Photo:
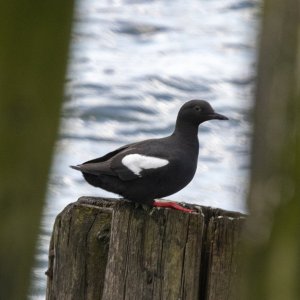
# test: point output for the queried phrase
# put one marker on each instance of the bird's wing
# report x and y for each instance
(132, 164)
(128, 162)
(143, 159)
(101, 165)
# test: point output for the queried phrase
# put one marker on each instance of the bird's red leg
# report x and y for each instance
(171, 204)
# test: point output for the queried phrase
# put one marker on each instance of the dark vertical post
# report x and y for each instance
(273, 242)
(34, 38)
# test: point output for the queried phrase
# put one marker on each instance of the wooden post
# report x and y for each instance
(112, 250)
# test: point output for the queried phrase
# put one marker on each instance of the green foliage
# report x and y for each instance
(273, 258)
(34, 38)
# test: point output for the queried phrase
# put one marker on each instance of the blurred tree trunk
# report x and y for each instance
(273, 242)
(34, 37)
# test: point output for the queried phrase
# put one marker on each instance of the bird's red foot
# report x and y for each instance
(170, 204)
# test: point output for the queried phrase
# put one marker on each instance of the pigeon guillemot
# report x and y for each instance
(155, 168)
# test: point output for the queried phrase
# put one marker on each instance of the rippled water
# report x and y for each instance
(133, 64)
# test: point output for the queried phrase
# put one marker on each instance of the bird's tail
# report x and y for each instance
(76, 168)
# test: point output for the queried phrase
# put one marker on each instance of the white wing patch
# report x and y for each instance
(137, 162)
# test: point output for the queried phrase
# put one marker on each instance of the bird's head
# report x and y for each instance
(197, 112)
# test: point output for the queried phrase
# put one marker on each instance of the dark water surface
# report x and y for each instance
(133, 64)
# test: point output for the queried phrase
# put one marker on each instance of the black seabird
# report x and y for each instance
(155, 168)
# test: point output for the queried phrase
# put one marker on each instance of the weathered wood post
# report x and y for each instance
(112, 250)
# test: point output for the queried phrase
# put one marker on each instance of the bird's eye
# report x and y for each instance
(197, 108)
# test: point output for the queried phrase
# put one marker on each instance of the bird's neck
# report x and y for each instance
(186, 131)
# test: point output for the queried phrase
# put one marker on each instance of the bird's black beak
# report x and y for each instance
(216, 116)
